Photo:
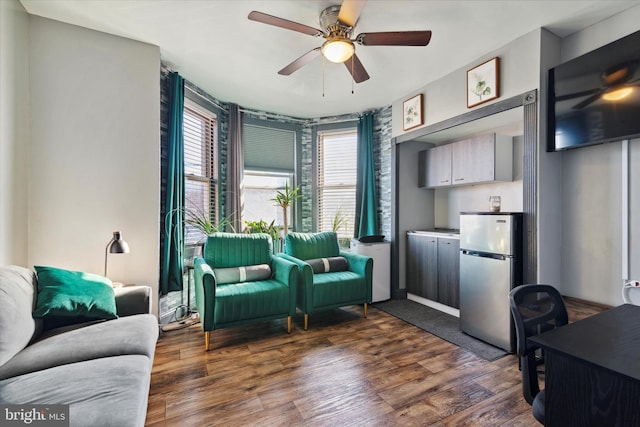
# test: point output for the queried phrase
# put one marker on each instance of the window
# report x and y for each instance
(259, 188)
(269, 162)
(337, 157)
(200, 167)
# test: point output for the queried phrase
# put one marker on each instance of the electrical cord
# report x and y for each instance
(626, 287)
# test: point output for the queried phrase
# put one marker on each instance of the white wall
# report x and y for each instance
(447, 98)
(14, 132)
(95, 151)
(592, 196)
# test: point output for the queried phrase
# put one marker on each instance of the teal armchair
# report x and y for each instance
(239, 281)
(327, 277)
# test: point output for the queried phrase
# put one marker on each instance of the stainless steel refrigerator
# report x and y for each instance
(490, 266)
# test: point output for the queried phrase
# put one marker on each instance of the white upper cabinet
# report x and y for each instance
(479, 159)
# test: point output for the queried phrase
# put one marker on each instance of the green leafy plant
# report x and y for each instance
(339, 220)
(284, 199)
(261, 226)
(200, 220)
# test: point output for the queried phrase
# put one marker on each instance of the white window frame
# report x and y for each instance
(328, 190)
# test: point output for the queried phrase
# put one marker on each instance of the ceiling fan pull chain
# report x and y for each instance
(323, 76)
(352, 79)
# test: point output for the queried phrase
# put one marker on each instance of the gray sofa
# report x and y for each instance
(101, 369)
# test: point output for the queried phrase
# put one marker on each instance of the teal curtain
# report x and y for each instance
(172, 259)
(366, 223)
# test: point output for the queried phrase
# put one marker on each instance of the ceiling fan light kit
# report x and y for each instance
(617, 94)
(338, 23)
(338, 50)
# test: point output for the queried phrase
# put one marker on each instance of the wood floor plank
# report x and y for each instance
(345, 370)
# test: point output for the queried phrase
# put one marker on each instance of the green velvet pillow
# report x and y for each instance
(73, 294)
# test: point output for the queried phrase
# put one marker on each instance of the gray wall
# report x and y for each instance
(591, 183)
(579, 191)
(94, 160)
(14, 132)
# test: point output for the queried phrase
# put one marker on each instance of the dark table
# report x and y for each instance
(592, 370)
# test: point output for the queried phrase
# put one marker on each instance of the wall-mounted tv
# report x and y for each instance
(595, 97)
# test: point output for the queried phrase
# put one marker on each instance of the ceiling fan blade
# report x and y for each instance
(356, 69)
(350, 12)
(395, 38)
(284, 23)
(580, 105)
(300, 62)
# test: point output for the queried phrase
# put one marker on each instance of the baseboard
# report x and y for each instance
(433, 304)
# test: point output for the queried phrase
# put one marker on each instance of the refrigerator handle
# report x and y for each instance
(483, 254)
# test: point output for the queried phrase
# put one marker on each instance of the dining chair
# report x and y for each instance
(535, 308)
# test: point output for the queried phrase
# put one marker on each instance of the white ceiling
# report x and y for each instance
(213, 44)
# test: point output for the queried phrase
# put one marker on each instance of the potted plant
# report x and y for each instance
(340, 220)
(197, 219)
(261, 226)
(284, 199)
(271, 229)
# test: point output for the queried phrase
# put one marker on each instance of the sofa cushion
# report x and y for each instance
(326, 265)
(127, 335)
(111, 391)
(249, 273)
(73, 294)
(17, 297)
(307, 246)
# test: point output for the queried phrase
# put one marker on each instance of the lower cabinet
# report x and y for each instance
(433, 265)
(449, 272)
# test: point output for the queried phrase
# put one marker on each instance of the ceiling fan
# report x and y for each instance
(617, 82)
(338, 23)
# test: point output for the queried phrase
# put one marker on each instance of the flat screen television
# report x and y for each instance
(595, 97)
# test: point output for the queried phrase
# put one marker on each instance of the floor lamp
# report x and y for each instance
(115, 246)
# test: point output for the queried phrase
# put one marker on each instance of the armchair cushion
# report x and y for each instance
(249, 273)
(326, 265)
(307, 246)
(223, 250)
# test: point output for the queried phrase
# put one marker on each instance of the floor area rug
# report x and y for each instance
(440, 324)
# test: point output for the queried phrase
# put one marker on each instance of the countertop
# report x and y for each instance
(438, 232)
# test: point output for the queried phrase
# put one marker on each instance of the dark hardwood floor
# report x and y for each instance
(345, 370)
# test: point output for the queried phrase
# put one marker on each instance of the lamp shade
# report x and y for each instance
(338, 50)
(115, 246)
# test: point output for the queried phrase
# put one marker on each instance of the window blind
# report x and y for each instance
(337, 157)
(200, 167)
(268, 148)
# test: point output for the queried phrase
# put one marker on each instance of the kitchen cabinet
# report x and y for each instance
(435, 166)
(433, 268)
(483, 158)
(480, 159)
(422, 269)
(449, 271)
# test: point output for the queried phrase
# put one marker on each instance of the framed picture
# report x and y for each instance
(483, 82)
(412, 112)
